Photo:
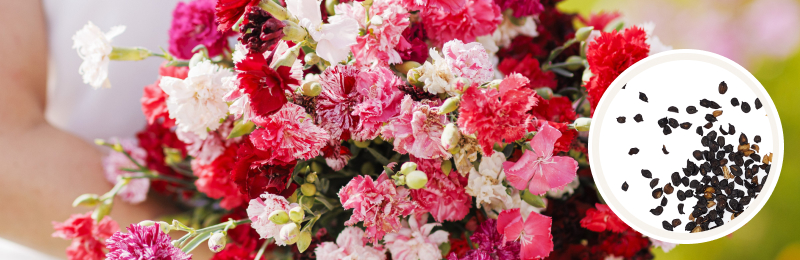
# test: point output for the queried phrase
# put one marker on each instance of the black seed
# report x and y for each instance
(685, 181)
(710, 118)
(745, 107)
(664, 201)
(633, 151)
(667, 130)
(712, 135)
(721, 140)
(647, 174)
(723, 87)
(693, 184)
(691, 110)
(709, 104)
(668, 189)
(623, 86)
(742, 139)
(638, 118)
(699, 130)
(722, 131)
(681, 196)
(672, 109)
(657, 211)
(757, 139)
(657, 193)
(625, 186)
(734, 102)
(662, 122)
(664, 149)
(642, 97)
(666, 225)
(676, 222)
(736, 171)
(676, 179)
(691, 225)
(704, 141)
(758, 103)
(755, 156)
(697, 154)
(673, 123)
(688, 193)
(708, 125)
(621, 120)
(731, 129)
(719, 222)
(653, 183)
(686, 125)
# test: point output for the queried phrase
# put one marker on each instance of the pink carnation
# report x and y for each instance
(337, 101)
(193, 23)
(379, 204)
(214, 179)
(143, 242)
(115, 163)
(206, 150)
(349, 245)
(381, 101)
(479, 17)
(444, 195)
(289, 133)
(87, 235)
(539, 170)
(259, 210)
(378, 46)
(494, 115)
(468, 61)
(416, 240)
(418, 129)
(443, 5)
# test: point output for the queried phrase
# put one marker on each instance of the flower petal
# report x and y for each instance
(559, 171)
(543, 142)
(509, 224)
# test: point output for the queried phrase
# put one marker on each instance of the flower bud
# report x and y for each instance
(293, 32)
(297, 214)
(329, 6)
(303, 241)
(316, 166)
(287, 58)
(86, 200)
(413, 77)
(290, 233)
(367, 168)
(449, 105)
(102, 210)
(367, 3)
(405, 67)
(408, 167)
(279, 217)
(447, 166)
(308, 189)
(533, 200)
(311, 58)
(545, 92)
(362, 144)
(217, 242)
(575, 63)
(416, 180)
(311, 177)
(450, 136)
(129, 53)
(582, 124)
(494, 84)
(312, 89)
(164, 227)
(587, 75)
(583, 33)
(172, 156)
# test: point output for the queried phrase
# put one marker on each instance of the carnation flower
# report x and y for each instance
(228, 12)
(467, 153)
(154, 139)
(533, 233)
(379, 204)
(115, 164)
(468, 61)
(417, 130)
(530, 68)
(444, 195)
(497, 115)
(602, 219)
(538, 170)
(416, 240)
(260, 30)
(508, 30)
(437, 75)
(490, 244)
(557, 112)
(254, 176)
(415, 48)
(213, 179)
(600, 19)
(486, 184)
(521, 7)
(478, 17)
(154, 100)
(626, 245)
(349, 245)
(259, 210)
(143, 242)
(235, 252)
(338, 100)
(609, 55)
(196, 103)
(86, 234)
(336, 155)
(193, 23)
(566, 191)
(261, 86)
(381, 98)
(447, 6)
(334, 38)
(387, 22)
(290, 133)
(94, 47)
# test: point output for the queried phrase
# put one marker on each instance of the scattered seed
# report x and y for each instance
(734, 102)
(664, 149)
(668, 189)
(647, 174)
(666, 225)
(708, 125)
(680, 208)
(697, 155)
(757, 139)
(691, 225)
(633, 151)
(676, 179)
(716, 113)
(672, 109)
(742, 139)
(667, 130)
(657, 193)
(623, 86)
(685, 181)
(691, 109)
(654, 183)
(673, 123)
(754, 147)
(710, 118)
(709, 104)
(657, 211)
(697, 229)
(642, 97)
(681, 195)
(663, 122)
(723, 87)
(638, 118)
(621, 120)
(745, 107)
(664, 201)
(758, 103)
(676, 222)
(625, 186)
(699, 130)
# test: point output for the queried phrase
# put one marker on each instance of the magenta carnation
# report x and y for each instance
(416, 49)
(479, 17)
(522, 7)
(381, 101)
(379, 204)
(444, 195)
(338, 99)
(418, 129)
(289, 133)
(193, 23)
(143, 243)
(497, 116)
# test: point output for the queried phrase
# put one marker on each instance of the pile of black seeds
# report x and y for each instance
(721, 176)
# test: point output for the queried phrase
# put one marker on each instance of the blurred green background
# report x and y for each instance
(763, 37)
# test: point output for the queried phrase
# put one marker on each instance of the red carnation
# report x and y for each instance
(154, 139)
(229, 12)
(609, 55)
(530, 68)
(264, 85)
(87, 235)
(254, 176)
(214, 180)
(602, 219)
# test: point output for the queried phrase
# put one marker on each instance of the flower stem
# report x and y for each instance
(262, 249)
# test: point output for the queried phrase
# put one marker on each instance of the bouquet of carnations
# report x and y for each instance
(374, 129)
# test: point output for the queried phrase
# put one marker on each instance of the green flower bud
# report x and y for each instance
(447, 166)
(147, 223)
(416, 180)
(289, 57)
(362, 144)
(217, 242)
(129, 53)
(316, 166)
(297, 214)
(367, 168)
(408, 167)
(172, 156)
(308, 189)
(290, 233)
(303, 241)
(533, 200)
(407, 66)
(582, 124)
(293, 32)
(449, 105)
(279, 217)
(450, 136)
(583, 33)
(164, 227)
(545, 92)
(312, 177)
(311, 89)
(576, 62)
(102, 210)
(311, 58)
(329, 6)
(413, 77)
(86, 200)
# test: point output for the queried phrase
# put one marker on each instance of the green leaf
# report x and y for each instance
(240, 129)
(378, 156)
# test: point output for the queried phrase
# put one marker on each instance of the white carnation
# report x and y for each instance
(507, 31)
(436, 75)
(94, 47)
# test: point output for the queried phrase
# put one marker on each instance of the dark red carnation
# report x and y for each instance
(414, 48)
(265, 86)
(154, 139)
(530, 68)
(521, 7)
(229, 12)
(556, 109)
(254, 177)
(609, 55)
(629, 244)
(260, 30)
